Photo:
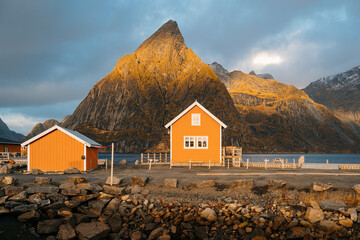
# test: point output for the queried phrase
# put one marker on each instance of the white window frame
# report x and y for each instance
(195, 139)
(202, 139)
(195, 119)
(190, 138)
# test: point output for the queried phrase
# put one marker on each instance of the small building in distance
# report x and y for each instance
(58, 148)
(196, 137)
(9, 146)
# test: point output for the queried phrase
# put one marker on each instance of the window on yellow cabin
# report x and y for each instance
(195, 119)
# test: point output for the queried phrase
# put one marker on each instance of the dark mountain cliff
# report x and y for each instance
(5, 132)
(341, 94)
(147, 89)
(284, 118)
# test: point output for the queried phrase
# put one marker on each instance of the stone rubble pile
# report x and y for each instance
(77, 209)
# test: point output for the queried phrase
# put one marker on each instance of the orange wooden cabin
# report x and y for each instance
(57, 149)
(195, 137)
(7, 145)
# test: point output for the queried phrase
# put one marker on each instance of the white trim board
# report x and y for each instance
(81, 138)
(189, 108)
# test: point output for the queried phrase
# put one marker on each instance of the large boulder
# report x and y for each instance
(12, 191)
(356, 188)
(122, 162)
(66, 232)
(8, 180)
(332, 205)
(51, 189)
(328, 226)
(36, 171)
(73, 191)
(23, 208)
(141, 181)
(297, 232)
(114, 190)
(29, 216)
(115, 181)
(242, 183)
(76, 179)
(42, 180)
(276, 184)
(314, 215)
(92, 231)
(170, 182)
(49, 226)
(319, 187)
(346, 223)
(209, 214)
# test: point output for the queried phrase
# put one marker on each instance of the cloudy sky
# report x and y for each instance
(53, 52)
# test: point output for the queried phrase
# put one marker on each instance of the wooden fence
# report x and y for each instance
(155, 158)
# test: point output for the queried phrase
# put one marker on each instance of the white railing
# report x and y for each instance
(155, 158)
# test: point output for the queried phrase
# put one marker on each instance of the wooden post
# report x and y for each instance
(266, 161)
(294, 164)
(160, 157)
(233, 156)
(327, 161)
(150, 164)
(148, 157)
(223, 156)
(154, 157)
(247, 163)
(166, 158)
(106, 163)
(112, 163)
(228, 163)
(142, 158)
(282, 163)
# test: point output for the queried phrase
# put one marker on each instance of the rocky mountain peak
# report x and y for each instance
(218, 68)
(167, 34)
(261, 75)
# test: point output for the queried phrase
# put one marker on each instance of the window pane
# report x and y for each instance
(204, 144)
(191, 144)
(187, 144)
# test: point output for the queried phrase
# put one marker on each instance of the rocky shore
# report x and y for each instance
(134, 209)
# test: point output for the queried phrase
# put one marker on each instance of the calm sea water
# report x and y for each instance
(309, 158)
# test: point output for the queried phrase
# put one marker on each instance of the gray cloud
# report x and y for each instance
(53, 52)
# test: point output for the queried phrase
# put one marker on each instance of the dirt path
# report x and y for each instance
(298, 178)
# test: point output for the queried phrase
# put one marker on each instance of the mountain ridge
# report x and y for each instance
(5, 132)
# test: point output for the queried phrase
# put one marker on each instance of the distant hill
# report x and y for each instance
(5, 132)
(262, 75)
(284, 118)
(147, 89)
(39, 128)
(340, 93)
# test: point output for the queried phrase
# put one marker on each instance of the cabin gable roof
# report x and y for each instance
(191, 107)
(76, 135)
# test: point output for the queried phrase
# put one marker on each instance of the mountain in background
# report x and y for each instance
(39, 128)
(5, 132)
(262, 75)
(147, 89)
(341, 94)
(283, 118)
